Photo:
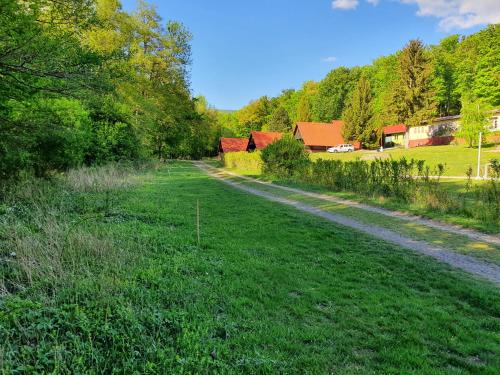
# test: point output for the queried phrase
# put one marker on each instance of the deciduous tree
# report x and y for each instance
(333, 92)
(473, 120)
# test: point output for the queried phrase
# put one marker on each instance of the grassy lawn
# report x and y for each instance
(454, 242)
(243, 165)
(454, 187)
(457, 158)
(268, 290)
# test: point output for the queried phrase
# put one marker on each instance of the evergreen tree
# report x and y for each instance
(280, 121)
(358, 114)
(413, 99)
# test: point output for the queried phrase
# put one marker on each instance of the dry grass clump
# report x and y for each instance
(54, 251)
(43, 236)
(108, 177)
(92, 179)
(47, 247)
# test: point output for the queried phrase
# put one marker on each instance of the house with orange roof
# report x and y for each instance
(260, 140)
(232, 145)
(318, 136)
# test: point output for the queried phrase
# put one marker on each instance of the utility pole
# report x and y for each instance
(479, 156)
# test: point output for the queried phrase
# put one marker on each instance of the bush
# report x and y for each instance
(285, 158)
(395, 178)
(407, 181)
(43, 136)
(487, 202)
(243, 162)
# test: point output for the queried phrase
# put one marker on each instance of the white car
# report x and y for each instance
(341, 148)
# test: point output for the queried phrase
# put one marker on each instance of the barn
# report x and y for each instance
(260, 140)
(232, 145)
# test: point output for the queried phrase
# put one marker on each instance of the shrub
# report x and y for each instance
(244, 162)
(285, 158)
(407, 181)
(395, 178)
(488, 196)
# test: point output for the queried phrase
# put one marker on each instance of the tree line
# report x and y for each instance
(414, 84)
(84, 82)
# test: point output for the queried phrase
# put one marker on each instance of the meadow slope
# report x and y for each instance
(267, 290)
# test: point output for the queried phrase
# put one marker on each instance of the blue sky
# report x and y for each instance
(245, 49)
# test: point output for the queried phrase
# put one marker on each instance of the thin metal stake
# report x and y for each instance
(479, 156)
(198, 220)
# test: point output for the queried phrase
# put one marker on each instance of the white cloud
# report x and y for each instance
(349, 4)
(344, 4)
(452, 14)
(459, 14)
(330, 59)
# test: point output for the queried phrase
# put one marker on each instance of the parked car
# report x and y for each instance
(341, 148)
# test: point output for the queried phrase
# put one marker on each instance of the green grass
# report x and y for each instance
(453, 242)
(457, 158)
(454, 187)
(452, 156)
(268, 290)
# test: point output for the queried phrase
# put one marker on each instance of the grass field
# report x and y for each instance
(267, 290)
(453, 186)
(412, 229)
(456, 158)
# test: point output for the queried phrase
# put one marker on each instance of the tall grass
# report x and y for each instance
(392, 178)
(46, 226)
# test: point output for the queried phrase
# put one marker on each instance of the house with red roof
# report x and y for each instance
(260, 140)
(232, 145)
(395, 135)
(318, 136)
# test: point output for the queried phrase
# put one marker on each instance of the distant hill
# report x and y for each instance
(226, 110)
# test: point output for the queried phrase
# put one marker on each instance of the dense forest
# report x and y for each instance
(83, 82)
(416, 83)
